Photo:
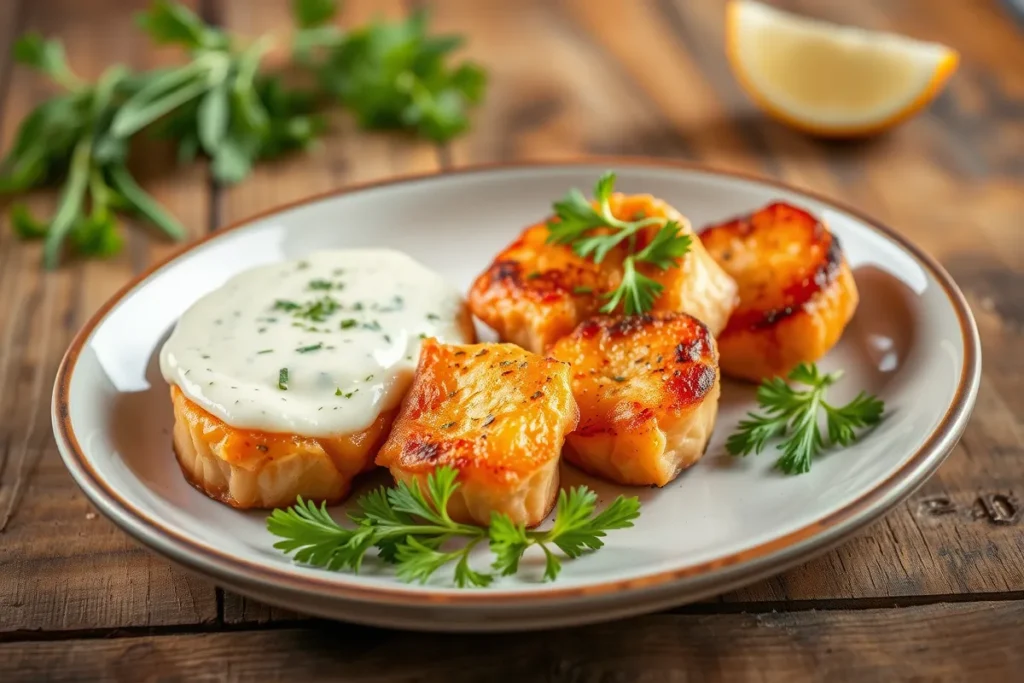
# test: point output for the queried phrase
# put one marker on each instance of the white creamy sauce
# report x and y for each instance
(316, 347)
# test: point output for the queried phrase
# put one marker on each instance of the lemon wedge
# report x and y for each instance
(831, 80)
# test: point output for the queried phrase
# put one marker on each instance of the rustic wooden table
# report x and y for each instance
(935, 590)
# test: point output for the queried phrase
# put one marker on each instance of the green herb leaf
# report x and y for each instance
(213, 117)
(394, 75)
(70, 204)
(96, 236)
(170, 22)
(636, 292)
(793, 414)
(410, 527)
(667, 247)
(144, 204)
(47, 56)
(25, 224)
(595, 232)
(312, 13)
(576, 530)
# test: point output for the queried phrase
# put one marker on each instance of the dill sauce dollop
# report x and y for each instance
(318, 346)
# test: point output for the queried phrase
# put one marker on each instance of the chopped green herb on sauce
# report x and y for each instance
(311, 347)
(320, 284)
(282, 379)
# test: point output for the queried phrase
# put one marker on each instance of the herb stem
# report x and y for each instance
(70, 203)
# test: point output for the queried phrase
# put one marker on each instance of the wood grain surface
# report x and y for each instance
(972, 642)
(568, 79)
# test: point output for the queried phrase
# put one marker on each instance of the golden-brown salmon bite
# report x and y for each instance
(647, 387)
(247, 468)
(795, 287)
(285, 380)
(495, 413)
(535, 291)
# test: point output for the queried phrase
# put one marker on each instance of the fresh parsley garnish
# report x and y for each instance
(310, 348)
(594, 233)
(282, 379)
(408, 524)
(792, 414)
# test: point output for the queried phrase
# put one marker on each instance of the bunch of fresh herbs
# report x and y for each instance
(69, 140)
(219, 104)
(391, 75)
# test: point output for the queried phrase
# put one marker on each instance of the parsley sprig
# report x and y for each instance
(594, 233)
(793, 415)
(409, 527)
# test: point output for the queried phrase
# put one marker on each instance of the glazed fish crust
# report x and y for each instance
(497, 414)
(535, 292)
(647, 387)
(252, 469)
(796, 290)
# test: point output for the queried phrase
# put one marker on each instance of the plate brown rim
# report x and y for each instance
(751, 561)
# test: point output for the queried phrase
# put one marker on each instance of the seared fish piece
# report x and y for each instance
(796, 290)
(252, 469)
(535, 292)
(498, 415)
(647, 387)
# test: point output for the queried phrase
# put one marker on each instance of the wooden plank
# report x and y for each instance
(564, 95)
(344, 157)
(962, 642)
(61, 567)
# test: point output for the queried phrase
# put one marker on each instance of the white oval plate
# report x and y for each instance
(726, 522)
